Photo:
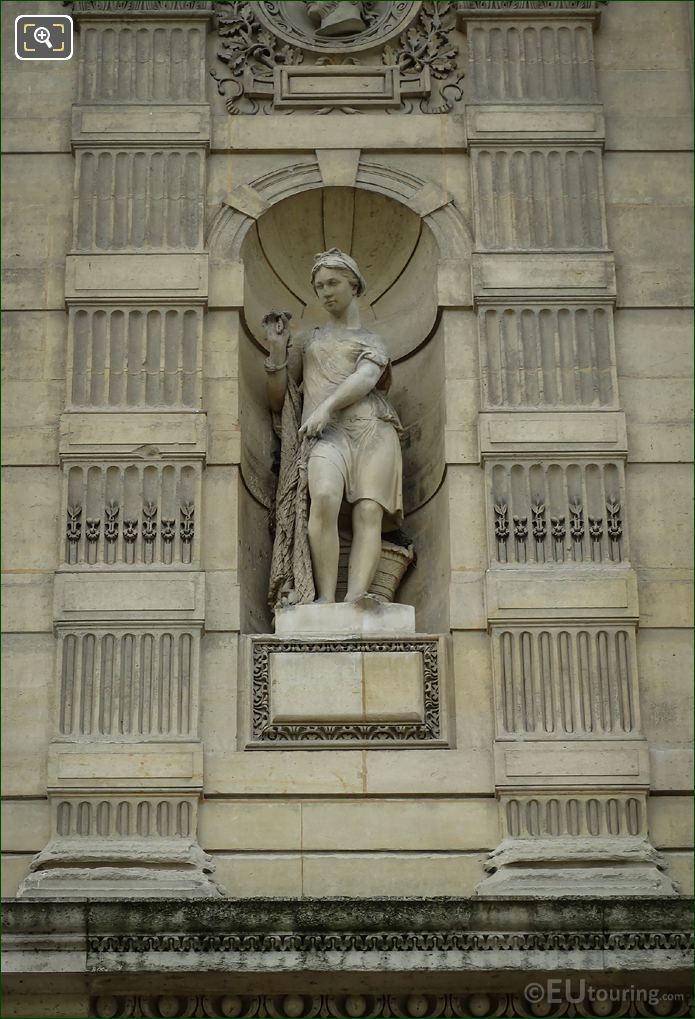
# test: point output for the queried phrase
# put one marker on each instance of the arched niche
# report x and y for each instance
(401, 253)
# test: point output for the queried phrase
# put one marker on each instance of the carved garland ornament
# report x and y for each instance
(262, 42)
(611, 1001)
(374, 733)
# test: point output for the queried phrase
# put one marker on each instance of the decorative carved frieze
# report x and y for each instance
(139, 200)
(565, 681)
(140, 357)
(529, 8)
(533, 199)
(492, 1002)
(279, 59)
(547, 356)
(393, 941)
(135, 7)
(578, 814)
(574, 506)
(139, 513)
(134, 684)
(119, 816)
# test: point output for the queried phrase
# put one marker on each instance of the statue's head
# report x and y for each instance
(341, 265)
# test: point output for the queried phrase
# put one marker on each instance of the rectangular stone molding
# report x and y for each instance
(376, 692)
(137, 357)
(559, 355)
(92, 767)
(530, 765)
(130, 278)
(297, 87)
(556, 593)
(139, 199)
(547, 431)
(548, 197)
(544, 124)
(565, 681)
(118, 123)
(530, 61)
(137, 683)
(133, 434)
(123, 514)
(531, 276)
(556, 510)
(143, 60)
(136, 598)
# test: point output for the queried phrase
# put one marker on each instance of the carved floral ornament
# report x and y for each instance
(284, 57)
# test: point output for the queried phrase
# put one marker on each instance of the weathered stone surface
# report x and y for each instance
(595, 866)
(367, 618)
(495, 239)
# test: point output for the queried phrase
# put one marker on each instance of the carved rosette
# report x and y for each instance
(286, 57)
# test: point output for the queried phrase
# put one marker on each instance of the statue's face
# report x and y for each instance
(334, 290)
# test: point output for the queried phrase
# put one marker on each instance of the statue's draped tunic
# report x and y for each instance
(361, 441)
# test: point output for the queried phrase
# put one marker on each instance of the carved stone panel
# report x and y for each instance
(539, 198)
(558, 682)
(144, 199)
(547, 356)
(376, 693)
(339, 56)
(135, 357)
(577, 814)
(128, 684)
(531, 62)
(559, 511)
(119, 514)
(143, 61)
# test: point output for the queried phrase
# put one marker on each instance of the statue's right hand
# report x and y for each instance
(277, 332)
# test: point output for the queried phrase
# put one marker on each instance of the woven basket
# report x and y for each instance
(393, 563)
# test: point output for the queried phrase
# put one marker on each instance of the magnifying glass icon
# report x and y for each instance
(43, 36)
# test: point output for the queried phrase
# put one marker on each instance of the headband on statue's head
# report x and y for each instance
(334, 258)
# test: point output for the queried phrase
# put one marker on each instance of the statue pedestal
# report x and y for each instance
(358, 619)
(345, 674)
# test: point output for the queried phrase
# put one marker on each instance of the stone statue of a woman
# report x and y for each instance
(341, 441)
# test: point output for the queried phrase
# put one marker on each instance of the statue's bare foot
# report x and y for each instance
(324, 601)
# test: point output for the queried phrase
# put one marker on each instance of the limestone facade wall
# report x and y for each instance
(557, 371)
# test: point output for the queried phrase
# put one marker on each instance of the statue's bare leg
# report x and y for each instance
(366, 547)
(326, 494)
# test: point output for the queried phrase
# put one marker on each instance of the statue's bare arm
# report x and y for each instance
(359, 384)
(285, 355)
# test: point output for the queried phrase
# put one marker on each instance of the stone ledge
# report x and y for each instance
(385, 935)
